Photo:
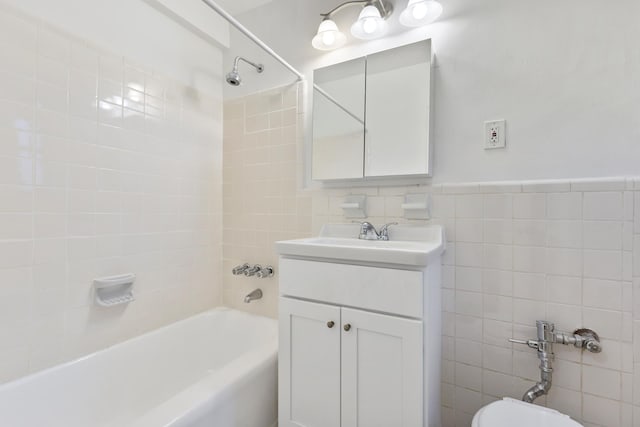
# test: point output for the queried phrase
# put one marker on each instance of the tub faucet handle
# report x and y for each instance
(265, 272)
(240, 269)
(252, 271)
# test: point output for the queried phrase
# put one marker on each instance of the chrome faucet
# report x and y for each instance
(547, 336)
(254, 295)
(368, 231)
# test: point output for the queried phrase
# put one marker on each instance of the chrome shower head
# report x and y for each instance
(233, 78)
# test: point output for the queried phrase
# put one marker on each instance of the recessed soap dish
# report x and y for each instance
(114, 290)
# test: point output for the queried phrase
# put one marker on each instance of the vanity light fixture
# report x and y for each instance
(371, 24)
(329, 36)
(372, 21)
(420, 12)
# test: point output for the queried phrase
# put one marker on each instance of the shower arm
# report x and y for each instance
(258, 67)
(233, 21)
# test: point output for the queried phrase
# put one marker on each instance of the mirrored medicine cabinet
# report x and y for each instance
(371, 116)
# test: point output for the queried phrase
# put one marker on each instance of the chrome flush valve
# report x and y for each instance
(547, 336)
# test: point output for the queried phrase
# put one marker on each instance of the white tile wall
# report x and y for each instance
(263, 202)
(561, 256)
(105, 167)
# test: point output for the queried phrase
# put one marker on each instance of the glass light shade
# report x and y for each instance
(420, 12)
(328, 36)
(369, 25)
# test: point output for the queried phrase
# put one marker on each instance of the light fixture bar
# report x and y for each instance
(386, 9)
(372, 21)
(342, 6)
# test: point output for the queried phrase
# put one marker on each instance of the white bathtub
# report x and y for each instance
(216, 369)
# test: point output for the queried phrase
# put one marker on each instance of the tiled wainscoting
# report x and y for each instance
(561, 252)
(521, 251)
(106, 167)
(517, 252)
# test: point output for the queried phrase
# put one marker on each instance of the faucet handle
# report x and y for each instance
(240, 269)
(384, 230)
(530, 343)
(251, 271)
(588, 340)
(265, 272)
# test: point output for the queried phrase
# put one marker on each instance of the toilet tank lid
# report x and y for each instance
(510, 412)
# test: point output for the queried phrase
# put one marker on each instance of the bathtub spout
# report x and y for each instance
(254, 295)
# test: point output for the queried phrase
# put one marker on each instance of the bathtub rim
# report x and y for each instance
(24, 379)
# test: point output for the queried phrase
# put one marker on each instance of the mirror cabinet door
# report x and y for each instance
(397, 111)
(338, 121)
(371, 116)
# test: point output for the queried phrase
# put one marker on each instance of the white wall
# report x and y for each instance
(567, 251)
(137, 30)
(565, 76)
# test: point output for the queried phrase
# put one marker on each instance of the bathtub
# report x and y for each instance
(216, 369)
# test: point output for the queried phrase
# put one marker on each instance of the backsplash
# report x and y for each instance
(517, 252)
(106, 167)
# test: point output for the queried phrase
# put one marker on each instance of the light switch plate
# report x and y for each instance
(494, 134)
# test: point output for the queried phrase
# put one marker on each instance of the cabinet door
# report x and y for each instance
(382, 372)
(309, 364)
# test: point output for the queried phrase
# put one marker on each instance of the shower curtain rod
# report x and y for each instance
(233, 21)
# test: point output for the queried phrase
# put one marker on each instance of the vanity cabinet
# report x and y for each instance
(348, 367)
(310, 365)
(352, 345)
(360, 328)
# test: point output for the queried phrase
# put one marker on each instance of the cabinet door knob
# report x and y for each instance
(330, 324)
(347, 327)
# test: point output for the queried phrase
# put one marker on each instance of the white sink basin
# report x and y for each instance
(407, 245)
